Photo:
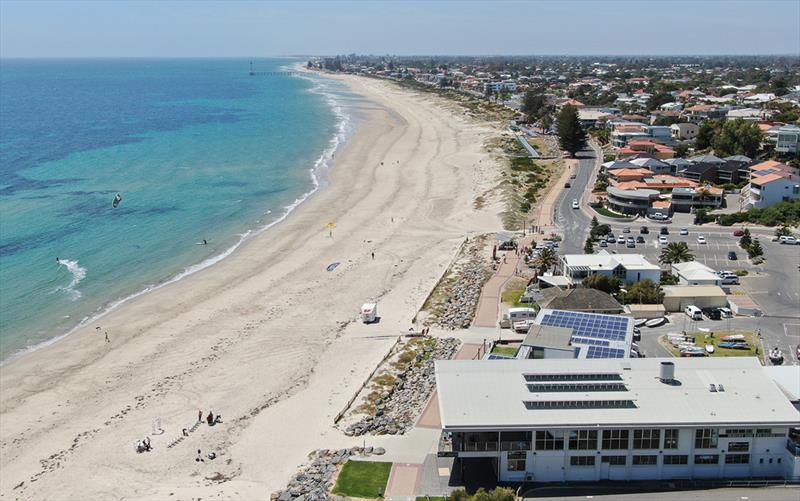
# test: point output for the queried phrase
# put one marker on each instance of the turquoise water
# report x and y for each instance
(198, 149)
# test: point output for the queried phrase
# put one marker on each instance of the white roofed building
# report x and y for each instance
(695, 273)
(561, 420)
(628, 268)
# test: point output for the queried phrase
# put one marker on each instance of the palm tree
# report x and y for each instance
(676, 252)
(546, 259)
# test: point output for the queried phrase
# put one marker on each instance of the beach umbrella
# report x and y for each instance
(330, 226)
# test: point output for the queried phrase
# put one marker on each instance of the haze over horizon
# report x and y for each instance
(259, 29)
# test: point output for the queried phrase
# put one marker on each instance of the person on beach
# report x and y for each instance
(58, 260)
(107, 340)
(200, 416)
(373, 255)
(210, 418)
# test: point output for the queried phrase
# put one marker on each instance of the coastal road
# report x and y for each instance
(574, 223)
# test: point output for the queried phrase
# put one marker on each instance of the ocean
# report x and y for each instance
(198, 149)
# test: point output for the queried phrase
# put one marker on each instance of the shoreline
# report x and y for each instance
(266, 338)
(317, 173)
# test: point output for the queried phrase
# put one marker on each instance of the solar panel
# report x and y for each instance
(584, 340)
(589, 325)
(603, 352)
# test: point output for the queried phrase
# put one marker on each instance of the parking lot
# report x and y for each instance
(774, 284)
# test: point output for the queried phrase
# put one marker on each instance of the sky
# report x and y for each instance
(147, 28)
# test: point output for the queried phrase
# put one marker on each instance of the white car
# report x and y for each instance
(701, 240)
(785, 239)
(662, 240)
(684, 231)
(574, 203)
(620, 239)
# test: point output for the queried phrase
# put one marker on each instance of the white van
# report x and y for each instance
(519, 314)
(694, 312)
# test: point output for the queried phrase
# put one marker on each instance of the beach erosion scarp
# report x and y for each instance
(266, 338)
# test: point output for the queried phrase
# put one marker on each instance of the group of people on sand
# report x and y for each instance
(210, 418)
(143, 445)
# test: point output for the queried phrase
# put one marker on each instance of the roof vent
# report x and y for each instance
(712, 388)
(720, 387)
(666, 373)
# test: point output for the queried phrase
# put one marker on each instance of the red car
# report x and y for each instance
(738, 233)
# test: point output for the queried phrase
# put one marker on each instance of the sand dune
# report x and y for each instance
(267, 338)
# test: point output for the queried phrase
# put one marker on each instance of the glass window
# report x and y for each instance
(582, 440)
(676, 459)
(671, 438)
(763, 432)
(614, 460)
(615, 439)
(646, 439)
(706, 459)
(644, 460)
(737, 459)
(549, 441)
(705, 438)
(581, 460)
(516, 461)
(738, 447)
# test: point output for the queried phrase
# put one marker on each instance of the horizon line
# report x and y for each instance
(775, 54)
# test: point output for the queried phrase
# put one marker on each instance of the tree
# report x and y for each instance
(534, 105)
(705, 136)
(738, 137)
(546, 259)
(546, 121)
(746, 240)
(588, 246)
(755, 249)
(643, 292)
(701, 216)
(670, 280)
(496, 494)
(594, 223)
(675, 252)
(571, 135)
(783, 231)
(600, 231)
(602, 282)
(681, 150)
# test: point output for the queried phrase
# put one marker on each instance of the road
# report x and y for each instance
(574, 223)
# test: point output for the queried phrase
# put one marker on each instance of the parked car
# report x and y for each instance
(738, 233)
(664, 230)
(725, 312)
(701, 240)
(620, 239)
(611, 238)
(630, 242)
(728, 278)
(572, 176)
(788, 240)
(684, 231)
(644, 230)
(712, 313)
(603, 243)
(732, 256)
(574, 203)
(662, 240)
(626, 229)
(640, 239)
(567, 185)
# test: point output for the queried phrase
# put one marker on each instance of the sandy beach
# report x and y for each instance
(267, 338)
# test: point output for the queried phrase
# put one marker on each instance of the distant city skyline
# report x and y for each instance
(259, 29)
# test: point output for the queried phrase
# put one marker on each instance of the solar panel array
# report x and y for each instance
(603, 352)
(589, 325)
(588, 341)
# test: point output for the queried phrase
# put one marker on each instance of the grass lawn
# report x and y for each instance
(702, 339)
(512, 296)
(500, 349)
(605, 212)
(362, 479)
